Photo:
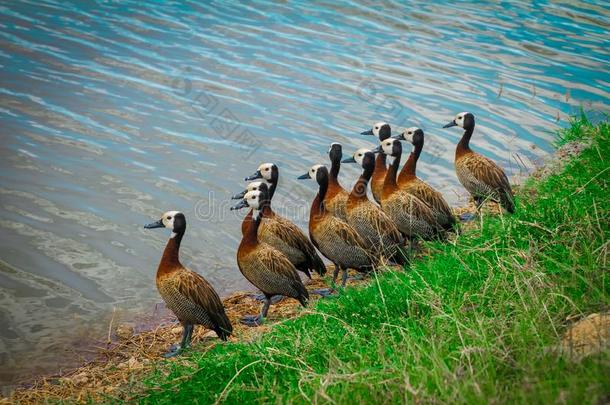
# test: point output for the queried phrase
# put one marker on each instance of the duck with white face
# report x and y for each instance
(333, 236)
(336, 195)
(187, 294)
(382, 131)
(372, 224)
(408, 181)
(412, 216)
(278, 231)
(483, 179)
(263, 265)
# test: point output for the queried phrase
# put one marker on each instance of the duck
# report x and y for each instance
(382, 131)
(263, 265)
(412, 216)
(408, 181)
(483, 179)
(371, 223)
(332, 235)
(187, 294)
(336, 195)
(278, 231)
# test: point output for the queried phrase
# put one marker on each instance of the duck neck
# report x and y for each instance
(464, 144)
(334, 170)
(170, 259)
(389, 182)
(272, 186)
(252, 226)
(323, 182)
(410, 167)
(380, 164)
(359, 189)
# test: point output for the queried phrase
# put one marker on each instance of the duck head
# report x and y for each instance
(413, 135)
(254, 199)
(174, 220)
(335, 152)
(253, 186)
(381, 130)
(266, 171)
(363, 156)
(391, 147)
(463, 120)
(316, 172)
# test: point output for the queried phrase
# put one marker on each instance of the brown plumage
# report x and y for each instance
(372, 224)
(382, 131)
(408, 181)
(337, 240)
(188, 295)
(479, 175)
(336, 195)
(281, 233)
(412, 216)
(264, 265)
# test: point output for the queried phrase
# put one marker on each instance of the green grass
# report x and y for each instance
(477, 321)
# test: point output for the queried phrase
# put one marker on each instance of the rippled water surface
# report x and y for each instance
(113, 112)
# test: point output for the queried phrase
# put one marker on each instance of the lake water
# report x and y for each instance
(114, 112)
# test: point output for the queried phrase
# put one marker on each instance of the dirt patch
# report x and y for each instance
(587, 336)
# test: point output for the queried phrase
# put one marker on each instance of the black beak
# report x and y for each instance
(303, 176)
(369, 132)
(239, 205)
(256, 175)
(378, 149)
(239, 196)
(158, 224)
(451, 124)
(349, 160)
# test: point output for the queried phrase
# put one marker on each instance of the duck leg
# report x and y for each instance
(187, 330)
(344, 278)
(257, 320)
(274, 299)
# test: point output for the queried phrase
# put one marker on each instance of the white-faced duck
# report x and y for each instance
(371, 223)
(188, 295)
(278, 231)
(263, 265)
(412, 216)
(333, 236)
(382, 131)
(408, 181)
(483, 179)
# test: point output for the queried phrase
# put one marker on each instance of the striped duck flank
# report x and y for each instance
(263, 265)
(382, 131)
(336, 195)
(412, 216)
(479, 175)
(187, 294)
(278, 231)
(334, 237)
(372, 224)
(408, 181)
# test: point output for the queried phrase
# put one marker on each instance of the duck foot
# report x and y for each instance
(261, 297)
(174, 350)
(469, 216)
(252, 320)
(357, 277)
(324, 292)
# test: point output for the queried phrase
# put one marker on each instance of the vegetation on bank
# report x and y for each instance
(477, 320)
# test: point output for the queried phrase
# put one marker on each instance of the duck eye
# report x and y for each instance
(266, 169)
(376, 127)
(169, 218)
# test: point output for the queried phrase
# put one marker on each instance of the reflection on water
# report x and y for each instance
(114, 112)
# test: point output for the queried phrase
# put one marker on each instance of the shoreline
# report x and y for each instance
(132, 355)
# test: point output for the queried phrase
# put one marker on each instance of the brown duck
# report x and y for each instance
(188, 295)
(382, 131)
(278, 231)
(412, 216)
(262, 264)
(483, 179)
(372, 224)
(408, 181)
(334, 237)
(336, 195)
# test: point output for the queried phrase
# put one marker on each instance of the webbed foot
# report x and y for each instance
(174, 350)
(252, 320)
(274, 300)
(468, 216)
(324, 292)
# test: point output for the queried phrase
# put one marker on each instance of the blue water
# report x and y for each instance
(113, 112)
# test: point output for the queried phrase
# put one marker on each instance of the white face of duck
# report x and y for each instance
(377, 128)
(313, 172)
(168, 219)
(253, 198)
(266, 169)
(459, 119)
(359, 155)
(253, 186)
(388, 146)
(408, 134)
